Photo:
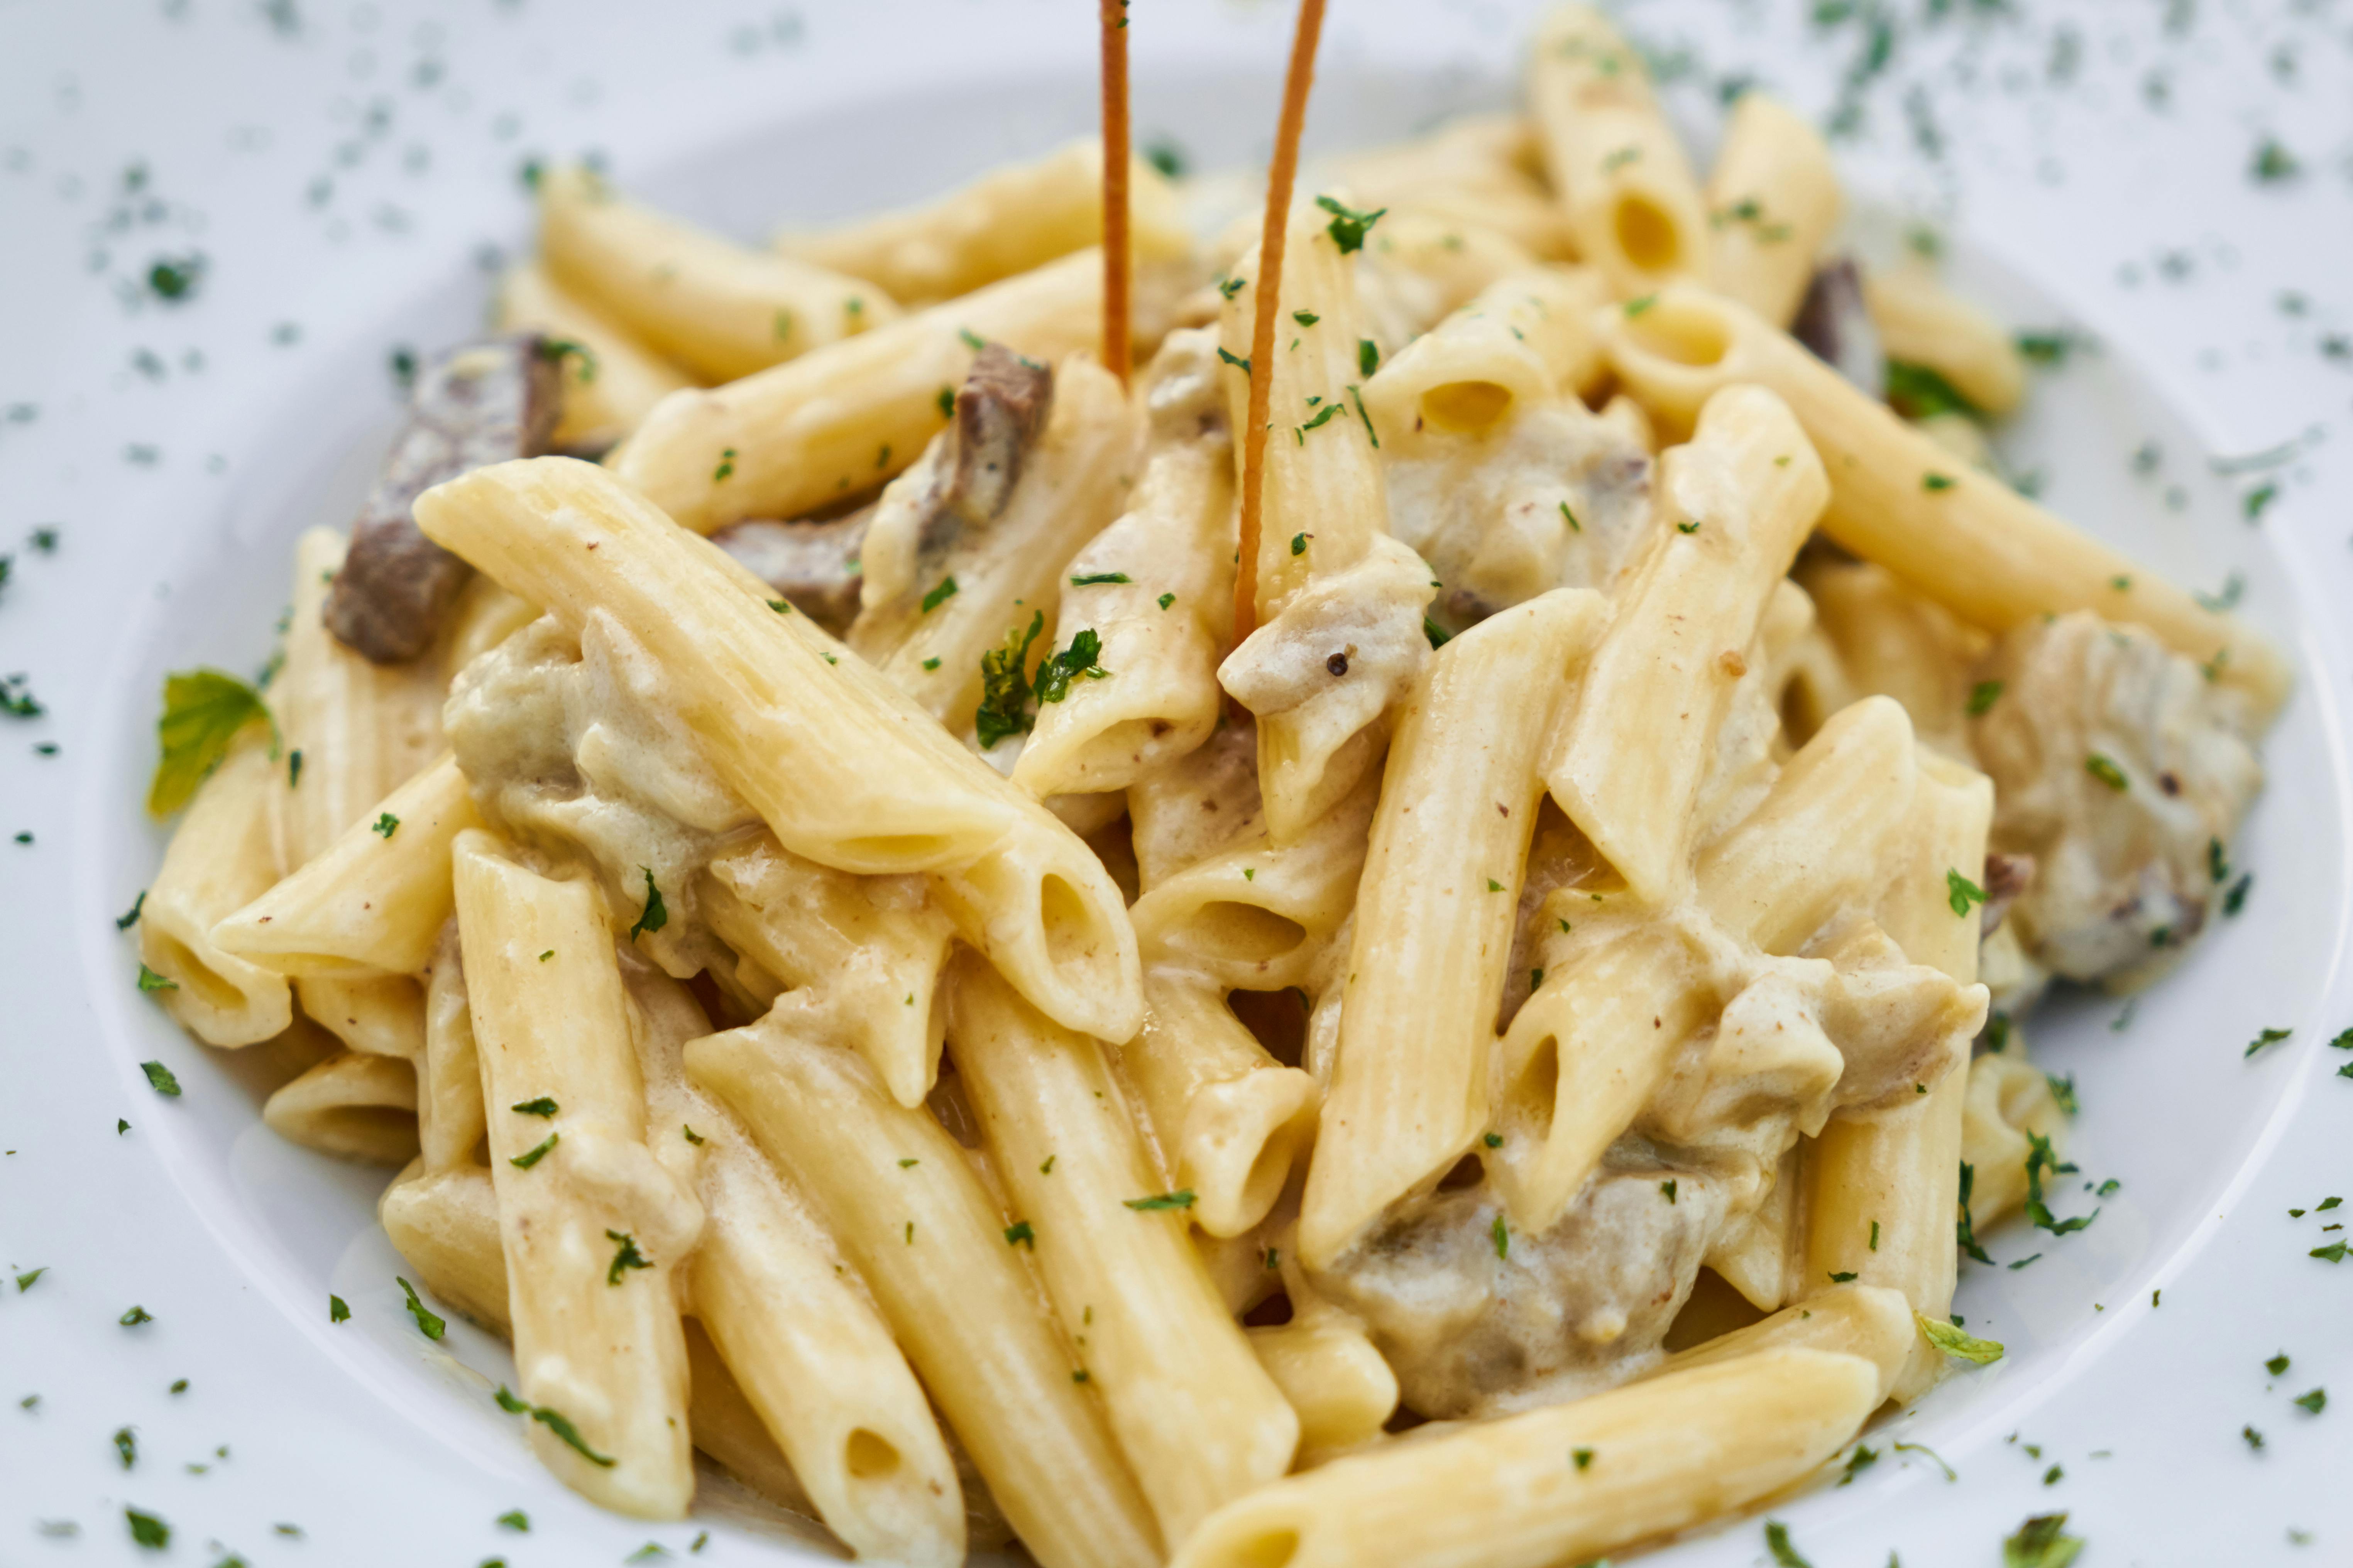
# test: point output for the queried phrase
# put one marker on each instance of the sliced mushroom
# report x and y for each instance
(484, 403)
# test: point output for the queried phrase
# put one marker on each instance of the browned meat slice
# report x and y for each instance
(814, 565)
(484, 403)
(999, 411)
(1834, 322)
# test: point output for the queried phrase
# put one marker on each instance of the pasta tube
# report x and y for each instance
(874, 945)
(1200, 1421)
(1967, 541)
(351, 730)
(1015, 217)
(1772, 203)
(1733, 506)
(899, 1197)
(220, 856)
(352, 1106)
(1434, 916)
(611, 381)
(711, 305)
(372, 903)
(593, 1226)
(1632, 203)
(1561, 1484)
(796, 437)
(1339, 603)
(1862, 1320)
(450, 1117)
(842, 766)
(1586, 1051)
(1525, 340)
(1157, 588)
(1891, 1176)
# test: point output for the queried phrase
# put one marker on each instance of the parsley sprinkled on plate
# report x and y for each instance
(1949, 1339)
(147, 1530)
(427, 1324)
(204, 712)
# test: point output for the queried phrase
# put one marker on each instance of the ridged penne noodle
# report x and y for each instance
(1885, 1181)
(1229, 1120)
(611, 381)
(2008, 1098)
(450, 1117)
(717, 308)
(802, 435)
(1331, 585)
(1971, 544)
(1733, 505)
(381, 1015)
(351, 731)
(1922, 322)
(843, 768)
(929, 642)
(1200, 1421)
(220, 856)
(1157, 588)
(1891, 640)
(1588, 1050)
(1658, 1456)
(897, 1194)
(352, 1106)
(1253, 916)
(373, 902)
(1433, 929)
(805, 1345)
(1480, 169)
(1633, 207)
(874, 945)
(1015, 217)
(1864, 1320)
(1327, 1367)
(594, 1228)
(1772, 203)
(1525, 340)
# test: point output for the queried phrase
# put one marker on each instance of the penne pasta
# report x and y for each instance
(1968, 542)
(352, 1106)
(1014, 218)
(611, 380)
(799, 436)
(220, 855)
(1632, 204)
(1525, 340)
(718, 309)
(1772, 203)
(1921, 323)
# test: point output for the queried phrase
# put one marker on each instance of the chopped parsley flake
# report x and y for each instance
(1636, 306)
(134, 1317)
(536, 1153)
(384, 826)
(1240, 364)
(1961, 893)
(139, 903)
(1299, 543)
(1305, 318)
(147, 1530)
(159, 1076)
(656, 915)
(515, 1519)
(26, 1280)
(627, 1257)
(2268, 1038)
(940, 594)
(1949, 1339)
(1095, 578)
(1021, 1233)
(1844, 1278)
(1166, 600)
(1180, 1199)
(151, 981)
(2039, 1158)
(126, 1447)
(1776, 1542)
(726, 467)
(1861, 1459)
(2277, 1364)
(2104, 769)
(1581, 1457)
(1983, 696)
(1368, 356)
(427, 1324)
(2039, 1544)
(555, 1421)
(1500, 1234)
(204, 712)
(1938, 481)
(543, 1106)
(2316, 1402)
(1347, 227)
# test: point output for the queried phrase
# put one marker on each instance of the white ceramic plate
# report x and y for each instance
(342, 167)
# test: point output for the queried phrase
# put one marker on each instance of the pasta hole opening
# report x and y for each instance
(1647, 236)
(1270, 1313)
(1073, 935)
(870, 1456)
(1466, 407)
(1538, 1086)
(1274, 1548)
(1246, 934)
(1683, 331)
(1467, 1171)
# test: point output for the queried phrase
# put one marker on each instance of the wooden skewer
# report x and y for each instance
(1116, 350)
(1279, 181)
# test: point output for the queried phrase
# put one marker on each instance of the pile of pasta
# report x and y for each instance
(860, 977)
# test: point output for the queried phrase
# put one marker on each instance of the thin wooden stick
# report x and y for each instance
(1279, 181)
(1116, 350)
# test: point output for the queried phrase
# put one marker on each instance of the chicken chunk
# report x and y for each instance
(2123, 771)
